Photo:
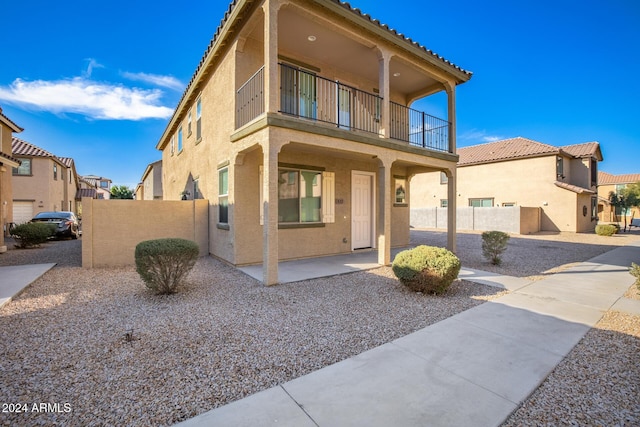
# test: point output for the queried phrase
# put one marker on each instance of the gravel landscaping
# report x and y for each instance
(100, 342)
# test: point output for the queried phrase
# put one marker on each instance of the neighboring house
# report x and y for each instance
(561, 181)
(7, 163)
(151, 186)
(608, 183)
(101, 184)
(42, 182)
(296, 126)
(86, 189)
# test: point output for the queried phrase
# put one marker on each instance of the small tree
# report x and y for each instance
(121, 192)
(494, 243)
(624, 200)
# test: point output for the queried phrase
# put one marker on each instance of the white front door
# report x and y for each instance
(362, 210)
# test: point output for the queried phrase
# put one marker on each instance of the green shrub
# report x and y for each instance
(426, 269)
(32, 234)
(494, 243)
(635, 272)
(606, 229)
(163, 263)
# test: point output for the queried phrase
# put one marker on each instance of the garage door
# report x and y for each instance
(22, 212)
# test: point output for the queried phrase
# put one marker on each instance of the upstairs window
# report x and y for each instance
(180, 139)
(594, 172)
(189, 123)
(55, 171)
(24, 168)
(559, 167)
(198, 120)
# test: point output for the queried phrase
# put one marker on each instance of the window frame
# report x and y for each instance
(189, 123)
(559, 167)
(299, 179)
(223, 196)
(23, 161)
(481, 199)
(55, 171)
(444, 203)
(180, 140)
(198, 120)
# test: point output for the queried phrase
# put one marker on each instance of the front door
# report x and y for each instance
(362, 210)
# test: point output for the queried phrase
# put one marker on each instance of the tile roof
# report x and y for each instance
(24, 148)
(518, 148)
(605, 178)
(574, 188)
(507, 149)
(67, 161)
(86, 192)
(586, 149)
(8, 157)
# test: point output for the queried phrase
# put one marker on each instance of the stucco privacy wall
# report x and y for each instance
(517, 219)
(113, 228)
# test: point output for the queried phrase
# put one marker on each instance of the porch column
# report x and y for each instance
(452, 198)
(384, 211)
(384, 57)
(270, 214)
(270, 8)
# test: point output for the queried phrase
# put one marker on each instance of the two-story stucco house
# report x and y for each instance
(42, 182)
(609, 183)
(519, 172)
(150, 187)
(101, 184)
(297, 126)
(7, 163)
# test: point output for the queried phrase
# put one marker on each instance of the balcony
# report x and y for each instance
(308, 96)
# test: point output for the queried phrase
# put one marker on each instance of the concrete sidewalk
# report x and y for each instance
(14, 279)
(472, 369)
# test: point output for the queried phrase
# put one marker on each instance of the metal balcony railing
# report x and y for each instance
(250, 99)
(304, 94)
(418, 128)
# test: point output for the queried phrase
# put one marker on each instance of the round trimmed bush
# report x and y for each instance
(32, 234)
(606, 229)
(163, 263)
(426, 269)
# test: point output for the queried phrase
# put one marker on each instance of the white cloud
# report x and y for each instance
(92, 63)
(82, 96)
(475, 136)
(169, 82)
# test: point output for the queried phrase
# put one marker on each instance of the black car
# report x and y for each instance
(67, 224)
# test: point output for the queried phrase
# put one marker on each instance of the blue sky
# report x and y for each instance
(98, 81)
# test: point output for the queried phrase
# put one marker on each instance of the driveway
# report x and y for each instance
(64, 253)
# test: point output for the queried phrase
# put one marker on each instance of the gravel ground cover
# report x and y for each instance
(225, 336)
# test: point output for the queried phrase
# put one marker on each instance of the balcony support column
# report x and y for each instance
(452, 198)
(451, 115)
(384, 58)
(271, 8)
(269, 184)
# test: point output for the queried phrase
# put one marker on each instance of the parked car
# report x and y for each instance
(67, 224)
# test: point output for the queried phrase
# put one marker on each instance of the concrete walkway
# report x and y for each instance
(14, 279)
(472, 369)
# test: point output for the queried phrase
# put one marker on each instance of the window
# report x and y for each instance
(199, 120)
(594, 172)
(299, 196)
(104, 184)
(401, 190)
(55, 171)
(594, 208)
(444, 179)
(189, 123)
(559, 167)
(173, 145)
(24, 168)
(223, 196)
(444, 203)
(180, 139)
(481, 203)
(298, 93)
(508, 204)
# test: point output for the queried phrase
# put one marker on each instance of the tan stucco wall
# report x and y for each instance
(48, 194)
(113, 228)
(525, 182)
(6, 192)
